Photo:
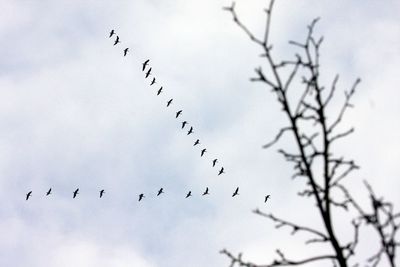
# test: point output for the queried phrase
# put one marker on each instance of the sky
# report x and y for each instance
(75, 113)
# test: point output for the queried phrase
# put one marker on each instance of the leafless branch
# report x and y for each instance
(282, 261)
(277, 137)
(295, 228)
(310, 104)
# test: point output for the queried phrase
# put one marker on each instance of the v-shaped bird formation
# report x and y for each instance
(147, 70)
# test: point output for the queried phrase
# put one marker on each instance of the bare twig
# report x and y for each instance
(295, 227)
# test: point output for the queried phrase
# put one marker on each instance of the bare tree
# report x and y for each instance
(316, 134)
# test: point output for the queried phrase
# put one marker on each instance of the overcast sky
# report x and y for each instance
(75, 113)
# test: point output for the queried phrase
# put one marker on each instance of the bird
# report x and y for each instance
(101, 193)
(112, 32)
(159, 90)
(48, 192)
(266, 198)
(197, 142)
(141, 196)
(221, 171)
(236, 192)
(28, 195)
(76, 193)
(148, 73)
(206, 192)
(126, 51)
(169, 102)
(202, 152)
(160, 191)
(184, 124)
(153, 81)
(190, 131)
(214, 162)
(178, 113)
(188, 194)
(117, 40)
(144, 64)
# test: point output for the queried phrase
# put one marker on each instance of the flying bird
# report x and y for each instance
(169, 102)
(178, 113)
(141, 196)
(190, 131)
(266, 198)
(197, 142)
(117, 40)
(153, 81)
(206, 192)
(214, 162)
(236, 192)
(148, 73)
(112, 32)
(101, 193)
(48, 192)
(126, 51)
(221, 171)
(188, 194)
(144, 64)
(202, 152)
(28, 195)
(184, 124)
(159, 90)
(76, 193)
(160, 191)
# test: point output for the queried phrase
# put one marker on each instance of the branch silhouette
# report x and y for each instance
(315, 132)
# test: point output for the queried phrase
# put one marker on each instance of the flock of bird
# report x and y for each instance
(141, 195)
(147, 70)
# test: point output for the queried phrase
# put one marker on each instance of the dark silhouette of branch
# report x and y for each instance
(302, 107)
(277, 137)
(295, 227)
(384, 221)
(281, 261)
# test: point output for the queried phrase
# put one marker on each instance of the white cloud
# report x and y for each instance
(75, 113)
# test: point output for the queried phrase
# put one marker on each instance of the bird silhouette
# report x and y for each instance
(160, 191)
(117, 40)
(221, 171)
(184, 124)
(197, 142)
(206, 192)
(214, 162)
(101, 193)
(153, 81)
(159, 90)
(178, 113)
(48, 192)
(266, 198)
(126, 51)
(76, 193)
(148, 73)
(188, 194)
(169, 102)
(202, 152)
(236, 192)
(141, 196)
(190, 131)
(144, 64)
(28, 195)
(112, 32)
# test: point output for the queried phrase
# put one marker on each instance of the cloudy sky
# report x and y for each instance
(75, 113)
